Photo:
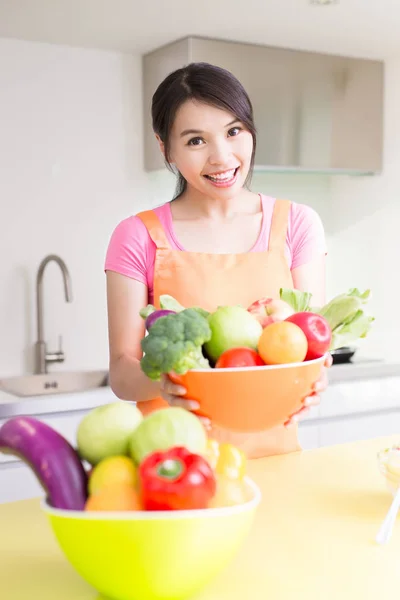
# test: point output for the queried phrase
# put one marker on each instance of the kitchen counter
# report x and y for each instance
(358, 371)
(313, 537)
(11, 406)
(363, 368)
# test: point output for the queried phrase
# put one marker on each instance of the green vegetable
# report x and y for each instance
(343, 308)
(146, 311)
(357, 327)
(344, 313)
(204, 313)
(167, 302)
(105, 431)
(168, 428)
(299, 301)
(174, 343)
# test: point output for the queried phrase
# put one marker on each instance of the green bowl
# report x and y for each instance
(165, 555)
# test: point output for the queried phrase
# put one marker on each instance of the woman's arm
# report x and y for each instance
(125, 298)
(311, 277)
(308, 245)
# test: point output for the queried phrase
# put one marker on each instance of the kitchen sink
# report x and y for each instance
(66, 382)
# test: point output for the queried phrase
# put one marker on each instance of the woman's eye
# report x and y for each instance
(234, 131)
(197, 141)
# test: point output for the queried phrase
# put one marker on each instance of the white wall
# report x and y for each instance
(70, 157)
(71, 168)
(365, 232)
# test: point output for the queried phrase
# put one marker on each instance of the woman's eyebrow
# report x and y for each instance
(191, 132)
(199, 131)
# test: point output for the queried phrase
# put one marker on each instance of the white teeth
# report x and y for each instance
(223, 176)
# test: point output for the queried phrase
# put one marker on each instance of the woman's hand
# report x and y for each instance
(313, 399)
(174, 394)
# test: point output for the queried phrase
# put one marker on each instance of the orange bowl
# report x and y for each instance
(251, 398)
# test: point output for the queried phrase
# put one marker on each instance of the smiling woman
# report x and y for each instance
(183, 121)
(217, 243)
(199, 154)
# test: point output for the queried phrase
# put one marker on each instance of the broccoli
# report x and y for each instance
(174, 343)
(204, 313)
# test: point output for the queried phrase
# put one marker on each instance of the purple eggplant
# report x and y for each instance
(152, 318)
(51, 457)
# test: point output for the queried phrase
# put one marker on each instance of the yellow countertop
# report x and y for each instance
(313, 538)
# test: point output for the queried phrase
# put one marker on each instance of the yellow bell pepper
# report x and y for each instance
(212, 452)
(226, 459)
(229, 492)
(231, 462)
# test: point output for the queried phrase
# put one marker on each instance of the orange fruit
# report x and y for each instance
(282, 342)
(119, 497)
(111, 471)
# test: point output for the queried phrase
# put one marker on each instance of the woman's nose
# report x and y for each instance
(220, 153)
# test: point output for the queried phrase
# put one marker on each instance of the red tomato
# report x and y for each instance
(316, 330)
(239, 357)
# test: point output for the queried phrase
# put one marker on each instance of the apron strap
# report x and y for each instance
(155, 229)
(279, 225)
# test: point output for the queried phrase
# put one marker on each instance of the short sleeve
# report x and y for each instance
(130, 250)
(306, 235)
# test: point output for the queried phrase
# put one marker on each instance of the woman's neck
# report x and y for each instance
(197, 205)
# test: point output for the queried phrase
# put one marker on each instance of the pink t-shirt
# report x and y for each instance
(132, 252)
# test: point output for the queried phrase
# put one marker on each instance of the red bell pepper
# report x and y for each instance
(176, 479)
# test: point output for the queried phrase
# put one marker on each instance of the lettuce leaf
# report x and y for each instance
(299, 301)
(351, 331)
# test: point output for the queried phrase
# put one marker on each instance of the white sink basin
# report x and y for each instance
(54, 383)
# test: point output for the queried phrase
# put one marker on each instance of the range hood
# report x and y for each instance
(313, 112)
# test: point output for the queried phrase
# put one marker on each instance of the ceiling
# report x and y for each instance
(364, 28)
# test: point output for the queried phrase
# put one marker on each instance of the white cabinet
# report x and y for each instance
(309, 434)
(65, 423)
(355, 410)
(18, 482)
(352, 428)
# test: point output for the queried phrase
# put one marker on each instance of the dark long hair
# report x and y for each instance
(206, 83)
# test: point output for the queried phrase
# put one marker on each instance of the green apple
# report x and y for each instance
(232, 327)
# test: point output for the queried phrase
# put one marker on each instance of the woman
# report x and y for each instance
(216, 243)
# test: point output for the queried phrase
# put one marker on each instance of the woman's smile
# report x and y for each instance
(223, 178)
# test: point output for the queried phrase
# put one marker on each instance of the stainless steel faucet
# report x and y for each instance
(42, 357)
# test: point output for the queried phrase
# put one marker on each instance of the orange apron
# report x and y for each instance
(212, 280)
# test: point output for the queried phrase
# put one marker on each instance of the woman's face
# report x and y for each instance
(211, 149)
